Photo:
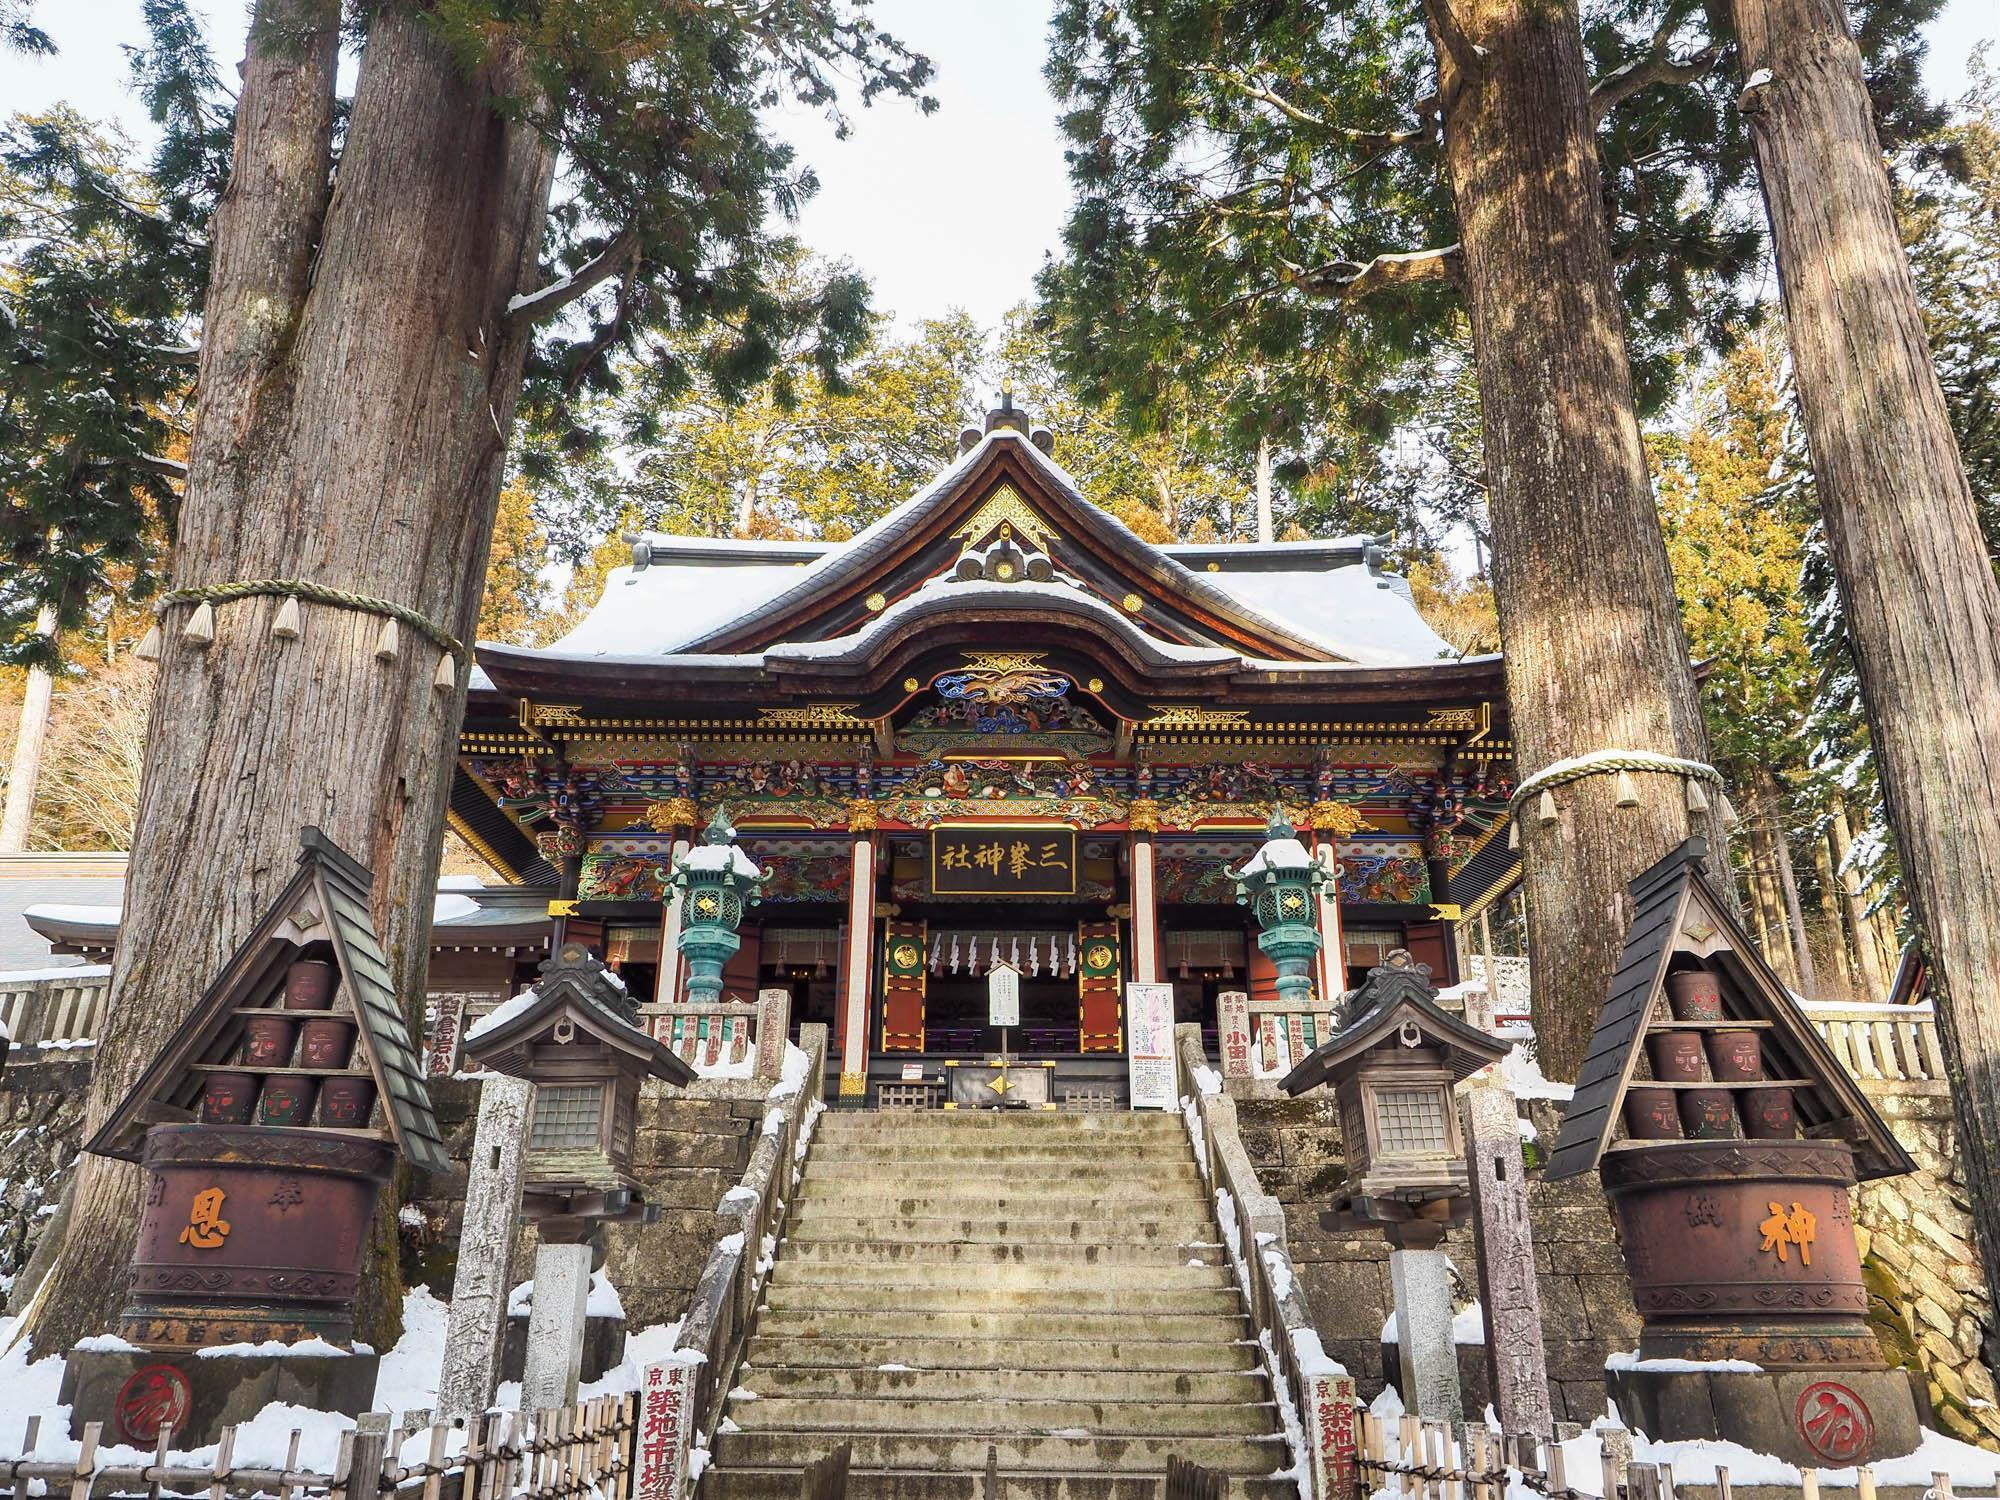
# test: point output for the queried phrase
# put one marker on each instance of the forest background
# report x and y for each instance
(88, 225)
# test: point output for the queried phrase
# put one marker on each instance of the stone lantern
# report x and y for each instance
(717, 881)
(1393, 1066)
(576, 1037)
(1280, 883)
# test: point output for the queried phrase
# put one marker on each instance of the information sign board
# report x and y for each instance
(1003, 996)
(1149, 1033)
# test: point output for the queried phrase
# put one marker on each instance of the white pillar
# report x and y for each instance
(24, 771)
(1332, 974)
(1145, 913)
(485, 1273)
(555, 1326)
(860, 965)
(667, 984)
(1422, 1281)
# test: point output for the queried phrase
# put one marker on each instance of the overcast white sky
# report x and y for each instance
(954, 210)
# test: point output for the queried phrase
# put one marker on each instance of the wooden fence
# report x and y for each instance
(565, 1454)
(1421, 1460)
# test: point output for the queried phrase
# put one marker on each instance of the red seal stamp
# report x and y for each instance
(1835, 1424)
(154, 1398)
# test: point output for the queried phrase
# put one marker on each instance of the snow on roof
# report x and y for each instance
(722, 857)
(1276, 854)
(696, 587)
(663, 607)
(1367, 617)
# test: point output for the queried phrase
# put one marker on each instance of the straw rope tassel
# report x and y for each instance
(446, 677)
(288, 624)
(1628, 790)
(387, 643)
(149, 646)
(1697, 799)
(200, 627)
(1545, 810)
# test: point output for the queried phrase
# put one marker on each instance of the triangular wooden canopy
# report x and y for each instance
(326, 901)
(1677, 921)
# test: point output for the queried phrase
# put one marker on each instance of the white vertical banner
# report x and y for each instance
(1149, 1041)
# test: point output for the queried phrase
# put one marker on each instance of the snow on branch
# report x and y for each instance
(534, 307)
(166, 468)
(1349, 278)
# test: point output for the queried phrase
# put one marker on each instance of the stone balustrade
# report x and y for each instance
(1892, 1048)
(55, 1007)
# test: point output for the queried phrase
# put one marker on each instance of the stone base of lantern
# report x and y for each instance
(133, 1392)
(603, 1347)
(1812, 1418)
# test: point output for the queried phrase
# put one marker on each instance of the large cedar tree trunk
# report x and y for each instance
(356, 384)
(1922, 609)
(1595, 655)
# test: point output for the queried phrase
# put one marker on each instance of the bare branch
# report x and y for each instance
(166, 468)
(1351, 279)
(535, 307)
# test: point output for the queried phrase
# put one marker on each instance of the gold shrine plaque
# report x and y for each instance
(990, 860)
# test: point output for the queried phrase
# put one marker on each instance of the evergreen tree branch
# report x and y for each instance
(166, 468)
(1263, 93)
(538, 306)
(1656, 64)
(1350, 279)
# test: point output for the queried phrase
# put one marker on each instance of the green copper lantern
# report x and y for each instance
(1281, 883)
(716, 881)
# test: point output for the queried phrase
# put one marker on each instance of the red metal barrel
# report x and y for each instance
(1743, 1250)
(251, 1233)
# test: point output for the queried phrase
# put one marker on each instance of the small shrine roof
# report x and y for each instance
(1393, 993)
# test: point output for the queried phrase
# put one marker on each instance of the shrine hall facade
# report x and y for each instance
(994, 725)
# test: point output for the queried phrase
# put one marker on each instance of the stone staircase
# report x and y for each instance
(1049, 1286)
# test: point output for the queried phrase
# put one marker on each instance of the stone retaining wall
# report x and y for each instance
(41, 1124)
(1928, 1297)
(1587, 1309)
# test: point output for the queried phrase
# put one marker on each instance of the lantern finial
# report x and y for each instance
(720, 830)
(1279, 826)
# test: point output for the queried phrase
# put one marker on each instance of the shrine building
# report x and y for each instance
(994, 724)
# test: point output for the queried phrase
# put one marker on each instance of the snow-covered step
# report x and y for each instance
(1052, 1287)
(910, 1415)
(1132, 1350)
(738, 1483)
(1168, 1224)
(1018, 1173)
(783, 1322)
(1057, 1278)
(1076, 1451)
(943, 1296)
(886, 1253)
(1009, 1385)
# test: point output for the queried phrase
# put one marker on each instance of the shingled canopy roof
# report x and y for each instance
(1676, 917)
(326, 901)
(1393, 993)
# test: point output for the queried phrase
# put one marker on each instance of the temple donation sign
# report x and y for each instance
(989, 860)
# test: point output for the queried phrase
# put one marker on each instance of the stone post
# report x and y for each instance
(774, 1020)
(1508, 1291)
(1146, 958)
(555, 1319)
(1422, 1280)
(486, 1248)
